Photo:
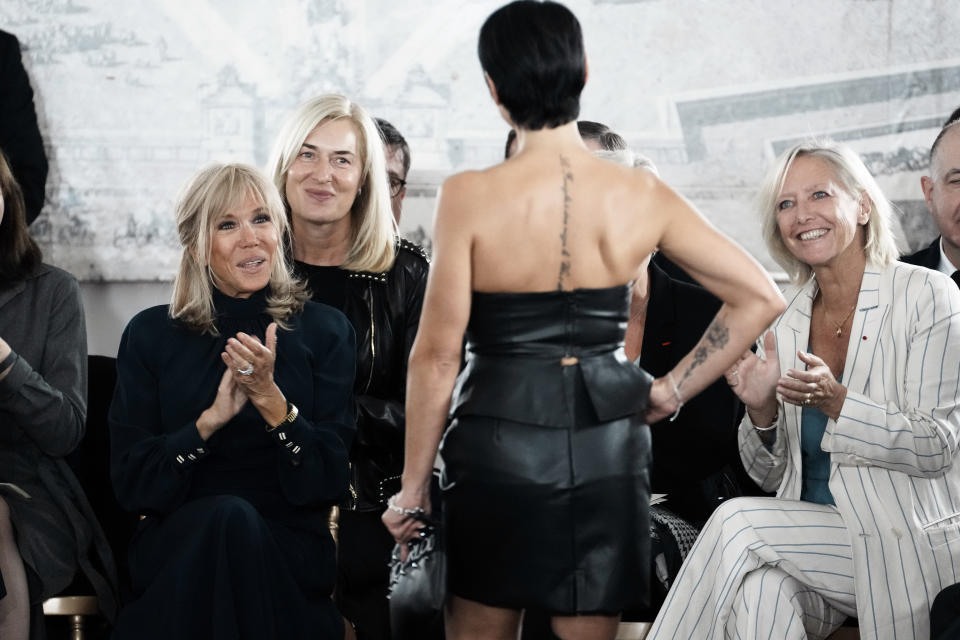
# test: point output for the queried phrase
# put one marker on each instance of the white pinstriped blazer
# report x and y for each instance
(892, 451)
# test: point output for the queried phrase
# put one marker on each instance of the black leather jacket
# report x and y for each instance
(384, 309)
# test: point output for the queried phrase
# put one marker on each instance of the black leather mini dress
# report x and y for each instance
(545, 483)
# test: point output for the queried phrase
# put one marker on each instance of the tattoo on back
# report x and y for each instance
(714, 339)
(564, 254)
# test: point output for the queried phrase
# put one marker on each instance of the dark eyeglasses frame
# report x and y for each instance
(396, 186)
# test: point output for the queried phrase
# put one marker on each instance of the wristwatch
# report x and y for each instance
(292, 413)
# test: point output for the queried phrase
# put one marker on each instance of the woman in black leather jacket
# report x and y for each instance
(328, 164)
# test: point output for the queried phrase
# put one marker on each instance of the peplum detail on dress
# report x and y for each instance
(546, 483)
(516, 342)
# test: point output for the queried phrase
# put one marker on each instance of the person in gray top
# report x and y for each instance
(47, 529)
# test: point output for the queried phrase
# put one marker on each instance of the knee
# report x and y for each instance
(237, 519)
(235, 510)
(767, 580)
(727, 511)
(754, 580)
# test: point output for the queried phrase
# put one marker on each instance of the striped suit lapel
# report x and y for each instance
(793, 334)
(864, 333)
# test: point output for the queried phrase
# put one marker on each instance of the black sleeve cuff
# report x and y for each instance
(290, 436)
(186, 447)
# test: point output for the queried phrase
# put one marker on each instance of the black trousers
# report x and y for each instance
(362, 574)
(945, 614)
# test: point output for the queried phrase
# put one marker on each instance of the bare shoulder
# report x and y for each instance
(460, 194)
(639, 191)
(646, 184)
(465, 181)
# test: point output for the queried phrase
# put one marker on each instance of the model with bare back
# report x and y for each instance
(545, 484)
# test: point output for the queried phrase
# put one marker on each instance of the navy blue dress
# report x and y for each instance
(235, 542)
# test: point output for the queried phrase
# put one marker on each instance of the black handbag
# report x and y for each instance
(418, 585)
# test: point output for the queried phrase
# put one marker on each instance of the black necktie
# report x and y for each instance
(956, 277)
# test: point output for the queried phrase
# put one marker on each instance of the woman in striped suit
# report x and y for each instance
(852, 417)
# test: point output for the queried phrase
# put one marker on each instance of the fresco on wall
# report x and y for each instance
(134, 95)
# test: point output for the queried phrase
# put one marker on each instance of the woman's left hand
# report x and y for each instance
(815, 387)
(245, 353)
(662, 402)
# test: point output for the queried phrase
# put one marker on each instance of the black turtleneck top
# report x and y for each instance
(167, 375)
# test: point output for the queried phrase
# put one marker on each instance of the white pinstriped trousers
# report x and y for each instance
(762, 568)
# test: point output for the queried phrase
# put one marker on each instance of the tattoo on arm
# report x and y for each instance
(716, 338)
(565, 255)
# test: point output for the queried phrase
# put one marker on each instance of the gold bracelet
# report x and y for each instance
(292, 413)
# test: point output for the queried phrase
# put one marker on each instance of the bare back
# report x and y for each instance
(551, 220)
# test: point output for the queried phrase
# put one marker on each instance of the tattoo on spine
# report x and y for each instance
(716, 338)
(565, 255)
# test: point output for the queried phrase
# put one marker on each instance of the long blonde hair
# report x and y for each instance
(372, 223)
(213, 191)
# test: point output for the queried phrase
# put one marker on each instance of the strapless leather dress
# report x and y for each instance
(545, 482)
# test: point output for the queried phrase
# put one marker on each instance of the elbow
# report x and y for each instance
(947, 460)
(434, 358)
(767, 306)
(68, 439)
(774, 303)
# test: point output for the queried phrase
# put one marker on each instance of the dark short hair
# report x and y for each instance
(608, 139)
(533, 52)
(952, 120)
(393, 138)
(19, 254)
(953, 117)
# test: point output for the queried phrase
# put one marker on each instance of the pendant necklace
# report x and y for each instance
(839, 325)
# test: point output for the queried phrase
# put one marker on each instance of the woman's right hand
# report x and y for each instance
(754, 379)
(230, 399)
(399, 517)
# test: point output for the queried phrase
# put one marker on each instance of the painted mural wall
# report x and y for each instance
(134, 95)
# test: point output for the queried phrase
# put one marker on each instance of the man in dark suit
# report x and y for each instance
(941, 190)
(19, 134)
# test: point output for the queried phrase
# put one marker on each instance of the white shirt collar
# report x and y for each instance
(945, 265)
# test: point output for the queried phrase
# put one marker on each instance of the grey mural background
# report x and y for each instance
(134, 95)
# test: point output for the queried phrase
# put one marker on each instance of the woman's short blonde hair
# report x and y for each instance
(880, 246)
(373, 225)
(207, 197)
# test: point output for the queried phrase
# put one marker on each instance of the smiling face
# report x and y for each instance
(242, 247)
(820, 223)
(322, 182)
